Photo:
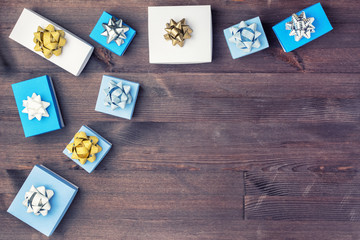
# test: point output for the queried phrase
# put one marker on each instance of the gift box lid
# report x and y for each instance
(112, 46)
(75, 54)
(103, 143)
(128, 111)
(235, 51)
(44, 87)
(197, 49)
(64, 193)
(322, 25)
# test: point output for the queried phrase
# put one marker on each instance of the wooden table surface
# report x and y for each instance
(262, 147)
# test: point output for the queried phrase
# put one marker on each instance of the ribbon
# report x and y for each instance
(300, 26)
(37, 200)
(49, 41)
(115, 31)
(177, 32)
(34, 107)
(117, 95)
(84, 147)
(245, 36)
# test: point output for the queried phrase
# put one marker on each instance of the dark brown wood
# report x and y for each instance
(262, 147)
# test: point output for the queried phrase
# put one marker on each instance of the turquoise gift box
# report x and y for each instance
(64, 193)
(44, 87)
(321, 24)
(237, 52)
(103, 143)
(128, 111)
(112, 46)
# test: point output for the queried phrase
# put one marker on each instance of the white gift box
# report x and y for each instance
(197, 49)
(75, 54)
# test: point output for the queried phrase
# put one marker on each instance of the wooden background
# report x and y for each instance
(262, 147)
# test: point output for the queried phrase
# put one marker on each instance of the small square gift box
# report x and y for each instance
(38, 106)
(113, 33)
(51, 41)
(302, 27)
(87, 148)
(245, 38)
(43, 200)
(180, 34)
(117, 97)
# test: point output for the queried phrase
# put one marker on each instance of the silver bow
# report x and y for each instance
(300, 26)
(115, 31)
(117, 95)
(245, 36)
(37, 200)
(34, 107)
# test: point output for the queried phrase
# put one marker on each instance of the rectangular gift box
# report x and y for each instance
(75, 54)
(112, 46)
(103, 143)
(237, 52)
(64, 193)
(197, 49)
(44, 87)
(129, 108)
(321, 24)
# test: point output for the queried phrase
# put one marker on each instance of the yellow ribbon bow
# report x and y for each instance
(84, 147)
(49, 40)
(177, 32)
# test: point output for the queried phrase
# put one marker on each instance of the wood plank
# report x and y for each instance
(340, 181)
(302, 208)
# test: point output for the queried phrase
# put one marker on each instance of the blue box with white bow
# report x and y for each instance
(55, 193)
(117, 97)
(37, 105)
(113, 33)
(302, 27)
(246, 37)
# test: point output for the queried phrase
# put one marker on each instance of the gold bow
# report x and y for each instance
(49, 40)
(177, 32)
(84, 147)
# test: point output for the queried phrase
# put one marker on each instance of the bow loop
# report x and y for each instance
(177, 32)
(300, 26)
(49, 41)
(245, 36)
(84, 147)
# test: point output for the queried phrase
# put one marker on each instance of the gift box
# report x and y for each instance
(197, 46)
(103, 145)
(49, 113)
(246, 38)
(315, 29)
(74, 54)
(64, 193)
(116, 41)
(107, 98)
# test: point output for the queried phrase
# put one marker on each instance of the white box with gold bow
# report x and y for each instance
(51, 41)
(180, 34)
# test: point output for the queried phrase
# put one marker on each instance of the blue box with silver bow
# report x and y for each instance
(302, 27)
(38, 106)
(113, 33)
(245, 38)
(44, 215)
(117, 97)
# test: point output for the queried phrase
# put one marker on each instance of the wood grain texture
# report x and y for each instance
(262, 147)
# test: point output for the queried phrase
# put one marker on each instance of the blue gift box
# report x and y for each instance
(321, 24)
(112, 46)
(64, 193)
(44, 87)
(103, 143)
(237, 52)
(128, 111)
